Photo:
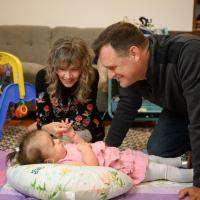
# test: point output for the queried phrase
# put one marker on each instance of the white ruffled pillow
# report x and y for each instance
(61, 181)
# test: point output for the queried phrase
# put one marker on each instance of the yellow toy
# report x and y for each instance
(18, 78)
(14, 62)
(17, 92)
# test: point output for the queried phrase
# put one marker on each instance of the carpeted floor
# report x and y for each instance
(11, 137)
(136, 138)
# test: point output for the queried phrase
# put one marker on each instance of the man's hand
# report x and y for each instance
(193, 193)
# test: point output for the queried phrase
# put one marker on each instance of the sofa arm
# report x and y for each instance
(30, 71)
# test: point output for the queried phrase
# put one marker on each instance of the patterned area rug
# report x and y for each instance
(12, 136)
(136, 138)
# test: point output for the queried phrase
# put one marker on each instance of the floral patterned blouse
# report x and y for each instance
(81, 115)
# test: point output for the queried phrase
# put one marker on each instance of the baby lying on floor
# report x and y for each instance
(40, 147)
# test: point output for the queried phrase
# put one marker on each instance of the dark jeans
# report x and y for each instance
(170, 138)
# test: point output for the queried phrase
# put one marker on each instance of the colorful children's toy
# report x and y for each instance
(5, 76)
(21, 110)
(6, 79)
(17, 92)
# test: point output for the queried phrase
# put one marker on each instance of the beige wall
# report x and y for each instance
(174, 14)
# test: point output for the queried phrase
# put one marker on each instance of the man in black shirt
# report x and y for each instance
(164, 70)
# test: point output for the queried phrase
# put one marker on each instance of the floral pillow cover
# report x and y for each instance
(61, 181)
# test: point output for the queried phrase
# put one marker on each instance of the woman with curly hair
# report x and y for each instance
(67, 89)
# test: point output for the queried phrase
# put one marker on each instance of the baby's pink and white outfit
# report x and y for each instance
(133, 163)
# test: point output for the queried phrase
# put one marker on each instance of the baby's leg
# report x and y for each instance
(157, 171)
(176, 162)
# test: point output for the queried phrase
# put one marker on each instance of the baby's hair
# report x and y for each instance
(29, 152)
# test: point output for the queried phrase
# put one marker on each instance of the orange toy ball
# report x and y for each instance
(21, 111)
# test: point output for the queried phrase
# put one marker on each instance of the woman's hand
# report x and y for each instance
(56, 128)
(89, 157)
(193, 193)
(71, 133)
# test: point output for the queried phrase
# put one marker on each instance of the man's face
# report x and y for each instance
(124, 68)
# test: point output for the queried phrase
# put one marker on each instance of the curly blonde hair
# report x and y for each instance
(68, 51)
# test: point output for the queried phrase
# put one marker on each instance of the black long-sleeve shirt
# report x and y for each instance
(81, 115)
(172, 82)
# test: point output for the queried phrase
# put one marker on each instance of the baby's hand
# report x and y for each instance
(84, 146)
(88, 156)
(70, 131)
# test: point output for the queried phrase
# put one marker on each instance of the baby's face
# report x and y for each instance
(53, 149)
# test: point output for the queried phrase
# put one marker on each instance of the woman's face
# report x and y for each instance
(69, 74)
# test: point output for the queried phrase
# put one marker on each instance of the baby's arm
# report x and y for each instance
(89, 157)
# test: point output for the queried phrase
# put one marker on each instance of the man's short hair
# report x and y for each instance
(121, 36)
